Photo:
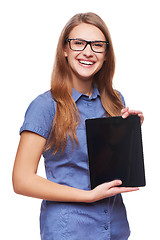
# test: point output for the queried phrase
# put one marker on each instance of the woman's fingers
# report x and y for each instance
(110, 189)
(141, 117)
(125, 112)
(114, 183)
(116, 190)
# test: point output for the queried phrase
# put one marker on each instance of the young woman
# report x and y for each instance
(54, 125)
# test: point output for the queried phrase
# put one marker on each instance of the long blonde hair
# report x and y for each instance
(67, 116)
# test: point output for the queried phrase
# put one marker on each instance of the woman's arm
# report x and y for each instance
(27, 182)
(25, 179)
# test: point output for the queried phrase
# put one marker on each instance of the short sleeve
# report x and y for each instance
(40, 115)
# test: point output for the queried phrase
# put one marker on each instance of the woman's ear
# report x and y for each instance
(65, 53)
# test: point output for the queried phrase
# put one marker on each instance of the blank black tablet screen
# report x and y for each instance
(115, 150)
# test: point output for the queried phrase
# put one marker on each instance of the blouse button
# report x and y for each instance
(106, 211)
(106, 228)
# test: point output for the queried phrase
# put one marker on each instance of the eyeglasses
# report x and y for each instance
(80, 45)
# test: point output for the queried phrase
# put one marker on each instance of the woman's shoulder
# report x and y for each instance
(45, 98)
(44, 102)
(121, 96)
(40, 114)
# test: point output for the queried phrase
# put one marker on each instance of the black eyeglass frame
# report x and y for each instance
(87, 42)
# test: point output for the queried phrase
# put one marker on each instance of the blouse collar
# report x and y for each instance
(76, 95)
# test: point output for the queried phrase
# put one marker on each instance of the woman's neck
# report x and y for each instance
(83, 86)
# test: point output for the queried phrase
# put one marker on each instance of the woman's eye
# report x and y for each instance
(98, 45)
(78, 43)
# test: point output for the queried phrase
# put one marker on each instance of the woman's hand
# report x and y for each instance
(125, 112)
(109, 189)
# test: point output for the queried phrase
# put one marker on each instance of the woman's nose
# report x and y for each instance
(88, 51)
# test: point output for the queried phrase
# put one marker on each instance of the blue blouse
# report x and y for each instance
(103, 220)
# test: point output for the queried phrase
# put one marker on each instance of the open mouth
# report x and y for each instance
(87, 63)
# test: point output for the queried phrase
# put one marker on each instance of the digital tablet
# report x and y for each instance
(115, 151)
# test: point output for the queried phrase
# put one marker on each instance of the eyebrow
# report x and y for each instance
(88, 40)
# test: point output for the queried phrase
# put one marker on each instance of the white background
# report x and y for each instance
(29, 34)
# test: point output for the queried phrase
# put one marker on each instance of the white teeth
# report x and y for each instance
(86, 62)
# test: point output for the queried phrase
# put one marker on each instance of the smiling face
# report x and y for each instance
(85, 64)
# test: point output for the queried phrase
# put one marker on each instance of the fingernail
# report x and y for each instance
(119, 182)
